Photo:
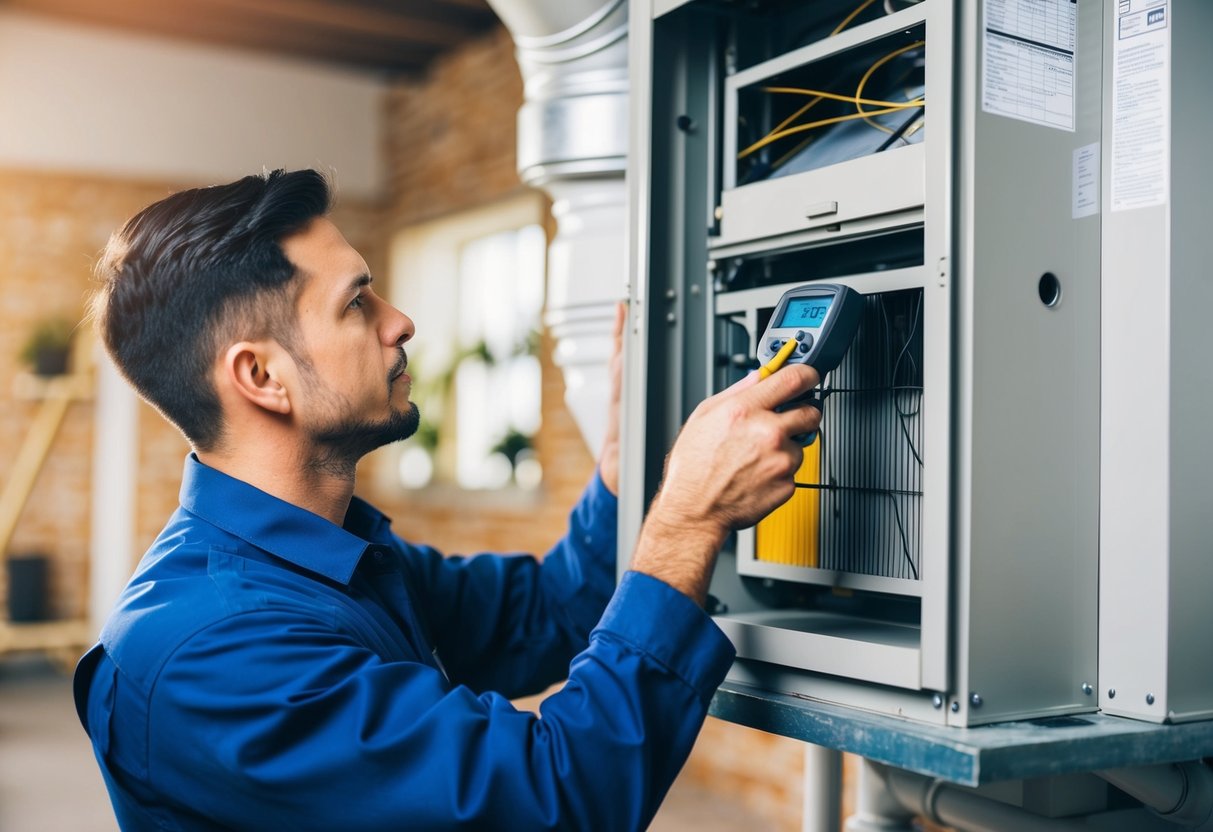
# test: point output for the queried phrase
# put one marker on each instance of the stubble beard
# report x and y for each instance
(340, 441)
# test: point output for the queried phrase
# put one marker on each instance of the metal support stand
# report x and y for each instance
(822, 789)
(876, 809)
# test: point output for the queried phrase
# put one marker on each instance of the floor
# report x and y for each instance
(49, 781)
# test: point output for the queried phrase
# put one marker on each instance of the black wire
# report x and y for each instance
(901, 131)
(891, 493)
(902, 354)
(901, 414)
(906, 432)
(859, 488)
(905, 545)
(892, 387)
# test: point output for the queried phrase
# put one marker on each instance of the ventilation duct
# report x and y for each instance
(572, 143)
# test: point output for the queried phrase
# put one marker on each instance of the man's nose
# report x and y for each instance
(399, 327)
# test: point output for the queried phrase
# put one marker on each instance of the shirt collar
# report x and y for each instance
(286, 531)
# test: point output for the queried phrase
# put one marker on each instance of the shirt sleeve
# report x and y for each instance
(511, 624)
(275, 720)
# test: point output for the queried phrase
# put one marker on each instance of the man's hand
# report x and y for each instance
(732, 465)
(608, 460)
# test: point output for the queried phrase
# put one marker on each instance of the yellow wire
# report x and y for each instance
(833, 96)
(858, 10)
(778, 361)
(800, 128)
(846, 21)
(859, 102)
(801, 145)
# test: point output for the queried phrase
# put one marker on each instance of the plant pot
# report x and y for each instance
(27, 587)
(50, 362)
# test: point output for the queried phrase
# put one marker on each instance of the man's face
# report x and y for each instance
(353, 391)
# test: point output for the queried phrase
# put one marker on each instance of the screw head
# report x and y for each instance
(937, 701)
(955, 706)
(1087, 689)
(975, 700)
(1111, 693)
(1149, 699)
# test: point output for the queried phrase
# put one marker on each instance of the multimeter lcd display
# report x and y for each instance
(808, 313)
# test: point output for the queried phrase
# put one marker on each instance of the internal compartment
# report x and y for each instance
(861, 101)
(858, 506)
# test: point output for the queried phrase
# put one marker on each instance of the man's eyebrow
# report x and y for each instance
(358, 282)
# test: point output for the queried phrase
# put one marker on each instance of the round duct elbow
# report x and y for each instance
(573, 59)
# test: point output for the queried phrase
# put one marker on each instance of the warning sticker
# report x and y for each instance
(1029, 60)
(1141, 109)
(1085, 200)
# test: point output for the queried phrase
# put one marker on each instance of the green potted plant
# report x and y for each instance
(48, 347)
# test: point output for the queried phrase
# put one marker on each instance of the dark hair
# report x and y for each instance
(195, 272)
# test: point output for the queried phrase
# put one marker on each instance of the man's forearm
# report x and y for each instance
(681, 554)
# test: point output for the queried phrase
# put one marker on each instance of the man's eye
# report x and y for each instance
(356, 303)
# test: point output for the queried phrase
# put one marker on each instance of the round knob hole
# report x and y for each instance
(1049, 289)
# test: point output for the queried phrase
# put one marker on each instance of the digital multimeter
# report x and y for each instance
(822, 319)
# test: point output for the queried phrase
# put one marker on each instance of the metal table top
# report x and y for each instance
(968, 756)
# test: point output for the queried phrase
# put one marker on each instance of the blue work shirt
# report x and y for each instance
(266, 669)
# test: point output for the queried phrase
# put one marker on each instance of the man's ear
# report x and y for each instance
(253, 371)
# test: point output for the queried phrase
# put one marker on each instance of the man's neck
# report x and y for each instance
(321, 488)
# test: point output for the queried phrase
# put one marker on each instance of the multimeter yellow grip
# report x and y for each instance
(779, 359)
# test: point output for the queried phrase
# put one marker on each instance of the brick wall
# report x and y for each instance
(450, 148)
(51, 228)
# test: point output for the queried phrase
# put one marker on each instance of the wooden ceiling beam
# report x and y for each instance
(358, 20)
(398, 37)
(194, 23)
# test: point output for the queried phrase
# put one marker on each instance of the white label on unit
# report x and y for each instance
(1085, 200)
(1029, 48)
(1141, 109)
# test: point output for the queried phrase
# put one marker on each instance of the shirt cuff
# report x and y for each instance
(595, 518)
(657, 619)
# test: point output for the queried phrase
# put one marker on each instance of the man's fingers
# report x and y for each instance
(785, 384)
(621, 316)
(800, 419)
(751, 378)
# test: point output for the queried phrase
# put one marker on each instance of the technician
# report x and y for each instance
(282, 660)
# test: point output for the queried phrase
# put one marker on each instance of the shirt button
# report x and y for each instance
(378, 555)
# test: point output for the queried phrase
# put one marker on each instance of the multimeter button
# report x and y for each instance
(804, 345)
(800, 334)
(776, 344)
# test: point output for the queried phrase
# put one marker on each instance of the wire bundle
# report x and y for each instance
(788, 126)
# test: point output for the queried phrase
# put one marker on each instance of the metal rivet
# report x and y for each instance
(671, 318)
(1149, 699)
(695, 290)
(670, 294)
(937, 701)
(975, 700)
(1111, 693)
(955, 706)
(1087, 689)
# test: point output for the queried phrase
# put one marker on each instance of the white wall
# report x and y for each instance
(89, 99)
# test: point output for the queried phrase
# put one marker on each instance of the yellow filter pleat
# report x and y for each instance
(789, 534)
